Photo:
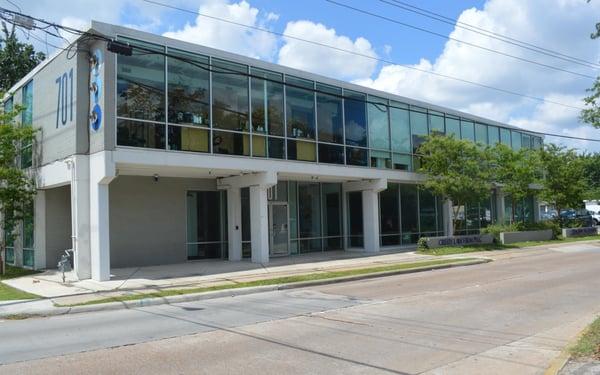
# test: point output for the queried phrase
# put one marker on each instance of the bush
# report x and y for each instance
(422, 244)
(496, 229)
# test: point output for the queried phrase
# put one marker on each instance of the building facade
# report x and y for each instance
(177, 152)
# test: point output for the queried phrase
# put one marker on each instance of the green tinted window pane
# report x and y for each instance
(537, 143)
(389, 209)
(231, 143)
(493, 135)
(505, 136)
(402, 162)
(481, 134)
(381, 159)
(516, 140)
(427, 211)
(230, 96)
(436, 124)
(526, 141)
(309, 217)
(379, 132)
(329, 114)
(355, 116)
(8, 105)
(300, 150)
(453, 127)
(300, 108)
(400, 125)
(418, 128)
(267, 102)
(28, 227)
(188, 87)
(26, 116)
(409, 209)
(356, 156)
(331, 195)
(293, 208)
(467, 130)
(141, 83)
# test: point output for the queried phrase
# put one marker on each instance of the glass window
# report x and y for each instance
(516, 140)
(355, 112)
(381, 159)
(8, 105)
(418, 127)
(493, 135)
(28, 227)
(409, 210)
(27, 120)
(389, 209)
(231, 143)
(309, 217)
(356, 156)
(526, 141)
(292, 204)
(453, 127)
(141, 83)
(263, 146)
(467, 130)
(300, 108)
(331, 154)
(505, 136)
(379, 130)
(536, 142)
(402, 162)
(189, 92)
(188, 139)
(276, 148)
(245, 200)
(267, 102)
(355, 219)
(481, 134)
(436, 123)
(400, 129)
(301, 150)
(332, 210)
(329, 114)
(205, 224)
(140, 134)
(230, 95)
(427, 211)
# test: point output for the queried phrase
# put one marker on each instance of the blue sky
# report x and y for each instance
(562, 25)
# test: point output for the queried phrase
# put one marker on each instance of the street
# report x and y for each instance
(510, 316)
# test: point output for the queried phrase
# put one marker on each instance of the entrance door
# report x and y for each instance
(278, 229)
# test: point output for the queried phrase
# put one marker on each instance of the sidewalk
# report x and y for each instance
(200, 274)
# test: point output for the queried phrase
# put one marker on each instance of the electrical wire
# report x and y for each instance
(490, 34)
(474, 45)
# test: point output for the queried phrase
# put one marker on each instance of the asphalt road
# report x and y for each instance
(511, 316)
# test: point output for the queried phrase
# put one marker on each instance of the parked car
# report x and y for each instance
(596, 217)
(581, 218)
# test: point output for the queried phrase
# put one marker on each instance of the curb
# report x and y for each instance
(561, 360)
(111, 306)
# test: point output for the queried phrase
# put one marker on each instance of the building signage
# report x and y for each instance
(475, 239)
(578, 232)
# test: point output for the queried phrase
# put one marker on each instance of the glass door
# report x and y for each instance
(278, 229)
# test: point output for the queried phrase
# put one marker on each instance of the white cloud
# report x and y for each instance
(227, 36)
(323, 60)
(562, 25)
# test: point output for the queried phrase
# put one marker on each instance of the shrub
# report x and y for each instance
(496, 229)
(422, 244)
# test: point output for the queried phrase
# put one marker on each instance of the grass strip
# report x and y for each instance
(588, 345)
(8, 293)
(450, 250)
(275, 281)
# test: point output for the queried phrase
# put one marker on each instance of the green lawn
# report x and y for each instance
(278, 280)
(449, 250)
(588, 345)
(8, 293)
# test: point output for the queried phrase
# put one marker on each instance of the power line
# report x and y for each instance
(422, 29)
(375, 58)
(490, 34)
(91, 36)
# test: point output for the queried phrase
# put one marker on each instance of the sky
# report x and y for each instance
(558, 25)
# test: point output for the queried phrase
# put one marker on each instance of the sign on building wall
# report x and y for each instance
(579, 232)
(433, 242)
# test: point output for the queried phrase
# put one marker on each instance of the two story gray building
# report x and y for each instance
(160, 151)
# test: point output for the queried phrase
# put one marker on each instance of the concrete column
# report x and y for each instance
(39, 230)
(102, 172)
(447, 215)
(259, 224)
(370, 204)
(234, 223)
(80, 215)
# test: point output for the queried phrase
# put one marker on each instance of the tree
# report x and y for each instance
(563, 185)
(16, 186)
(591, 166)
(16, 58)
(456, 170)
(515, 171)
(591, 115)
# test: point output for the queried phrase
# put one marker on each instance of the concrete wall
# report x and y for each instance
(534, 235)
(148, 219)
(58, 223)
